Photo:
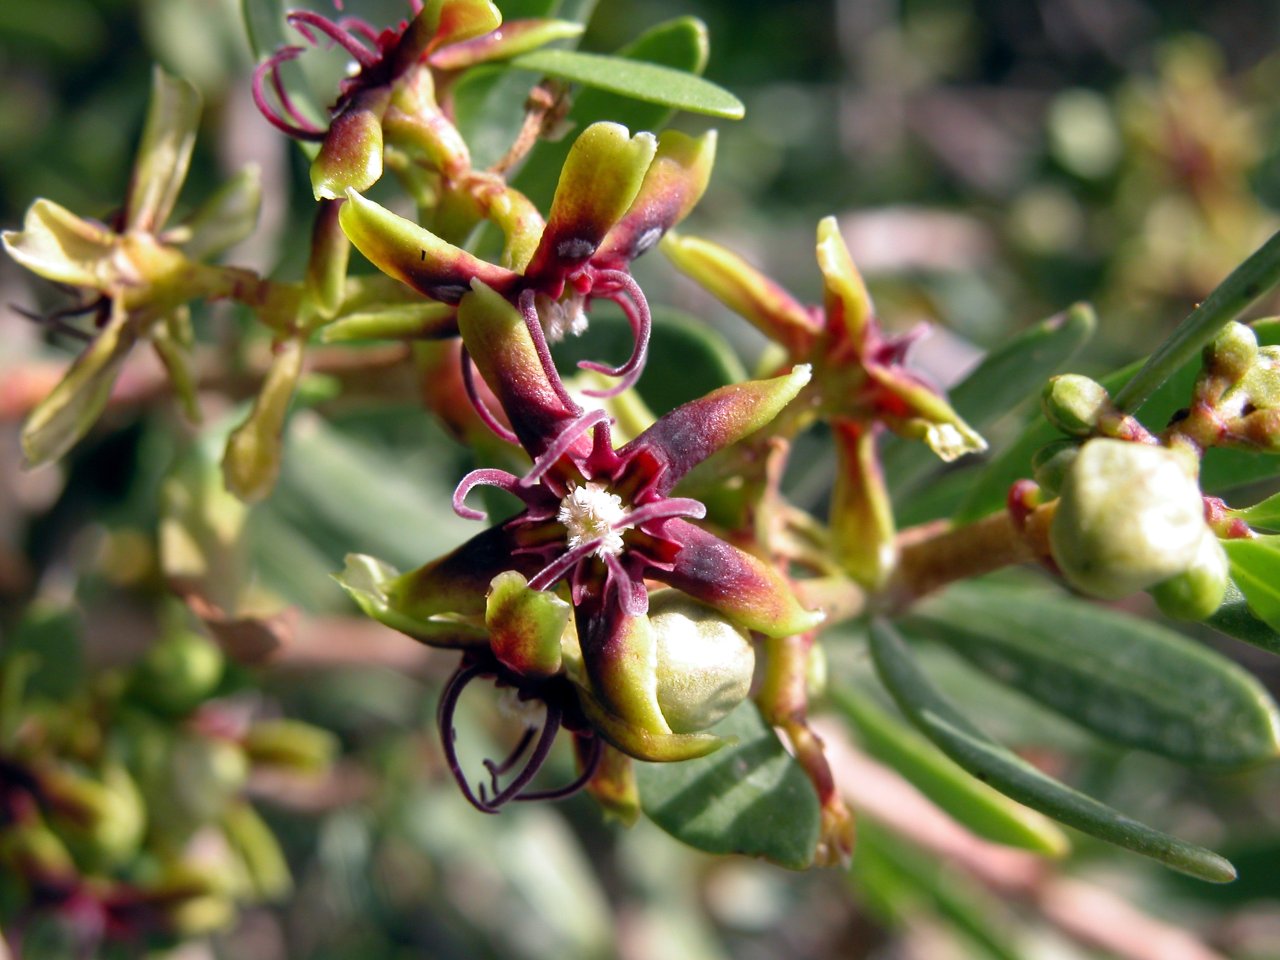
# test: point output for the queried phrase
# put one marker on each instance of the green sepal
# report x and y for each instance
(862, 526)
(745, 290)
(371, 583)
(642, 744)
(56, 244)
(172, 340)
(416, 256)
(251, 463)
(226, 217)
(350, 156)
(847, 302)
(426, 320)
(75, 404)
(525, 626)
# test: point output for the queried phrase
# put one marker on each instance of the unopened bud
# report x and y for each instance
(102, 820)
(1232, 352)
(291, 744)
(1074, 404)
(1051, 463)
(704, 662)
(1199, 590)
(178, 673)
(1129, 517)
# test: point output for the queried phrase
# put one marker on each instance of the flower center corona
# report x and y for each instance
(591, 512)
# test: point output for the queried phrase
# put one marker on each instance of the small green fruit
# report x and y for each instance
(705, 663)
(178, 673)
(1198, 591)
(1129, 517)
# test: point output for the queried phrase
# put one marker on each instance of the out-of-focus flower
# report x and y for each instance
(136, 275)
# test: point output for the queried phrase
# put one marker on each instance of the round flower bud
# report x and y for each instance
(1051, 463)
(1129, 517)
(704, 663)
(1198, 591)
(178, 673)
(1074, 404)
(1232, 352)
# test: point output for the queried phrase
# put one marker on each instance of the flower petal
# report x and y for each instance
(458, 582)
(847, 302)
(367, 580)
(164, 153)
(745, 589)
(673, 184)
(525, 626)
(916, 410)
(599, 181)
(75, 404)
(60, 246)
(498, 339)
(402, 249)
(746, 291)
(689, 434)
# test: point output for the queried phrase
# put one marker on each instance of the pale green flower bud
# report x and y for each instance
(1129, 517)
(1051, 463)
(704, 662)
(1075, 404)
(178, 673)
(1232, 352)
(1198, 591)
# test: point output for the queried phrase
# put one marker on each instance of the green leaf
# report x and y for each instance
(680, 44)
(935, 715)
(50, 634)
(983, 810)
(1264, 515)
(1255, 568)
(1246, 283)
(1235, 619)
(1132, 681)
(633, 78)
(1005, 378)
(750, 797)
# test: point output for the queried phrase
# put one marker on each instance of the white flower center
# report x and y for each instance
(590, 512)
(561, 318)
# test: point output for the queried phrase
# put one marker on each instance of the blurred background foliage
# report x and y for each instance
(990, 162)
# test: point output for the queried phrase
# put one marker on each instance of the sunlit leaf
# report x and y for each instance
(750, 797)
(633, 78)
(935, 715)
(1235, 619)
(1255, 568)
(1130, 680)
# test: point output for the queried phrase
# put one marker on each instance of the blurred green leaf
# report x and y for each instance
(1132, 681)
(1245, 284)
(51, 635)
(934, 714)
(1006, 377)
(983, 810)
(1255, 568)
(750, 797)
(1235, 619)
(633, 78)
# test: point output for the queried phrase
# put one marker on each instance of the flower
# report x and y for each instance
(860, 373)
(601, 521)
(136, 275)
(617, 196)
(443, 36)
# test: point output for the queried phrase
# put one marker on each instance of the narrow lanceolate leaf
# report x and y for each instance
(964, 743)
(1255, 568)
(1132, 681)
(1006, 377)
(751, 797)
(983, 810)
(1245, 284)
(1264, 515)
(1235, 619)
(633, 78)
(165, 152)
